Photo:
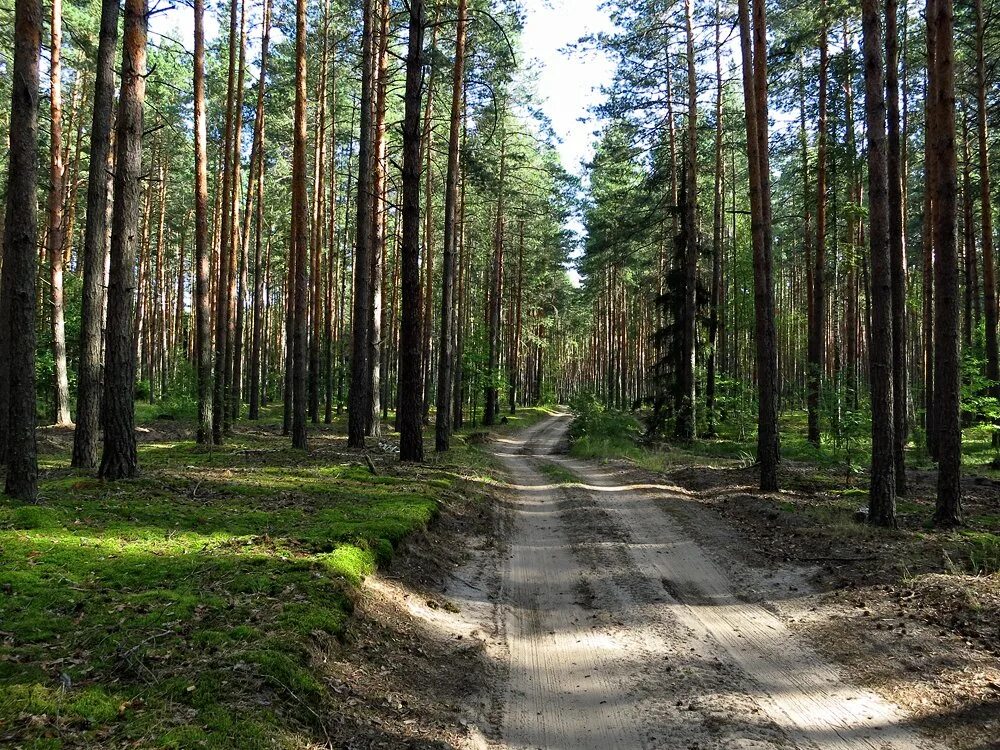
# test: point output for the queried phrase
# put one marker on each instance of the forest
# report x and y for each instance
(338, 408)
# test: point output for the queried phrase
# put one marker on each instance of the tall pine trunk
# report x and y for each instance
(686, 426)
(897, 245)
(717, 249)
(359, 406)
(754, 51)
(203, 252)
(257, 327)
(378, 223)
(316, 240)
(882, 494)
(411, 444)
(60, 385)
(222, 299)
(18, 284)
(119, 459)
(95, 248)
(300, 234)
(947, 367)
(930, 180)
(986, 207)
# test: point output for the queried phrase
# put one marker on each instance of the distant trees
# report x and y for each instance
(815, 336)
(358, 252)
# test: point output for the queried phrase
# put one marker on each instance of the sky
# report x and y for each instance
(569, 82)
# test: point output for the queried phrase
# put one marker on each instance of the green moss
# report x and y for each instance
(197, 587)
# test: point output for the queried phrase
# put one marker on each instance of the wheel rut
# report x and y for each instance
(622, 632)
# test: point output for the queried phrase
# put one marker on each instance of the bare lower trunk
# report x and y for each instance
(378, 219)
(411, 443)
(60, 386)
(358, 397)
(754, 51)
(18, 285)
(717, 249)
(88, 395)
(257, 331)
(120, 459)
(882, 494)
(686, 426)
(203, 252)
(947, 367)
(300, 234)
(897, 247)
(989, 272)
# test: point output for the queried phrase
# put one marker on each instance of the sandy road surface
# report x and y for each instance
(622, 632)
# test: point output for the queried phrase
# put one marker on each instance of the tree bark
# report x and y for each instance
(60, 386)
(411, 443)
(359, 406)
(754, 51)
(95, 248)
(882, 493)
(203, 252)
(316, 293)
(378, 222)
(426, 346)
(18, 285)
(897, 247)
(986, 207)
(257, 332)
(686, 425)
(222, 299)
(947, 366)
(119, 459)
(237, 239)
(300, 233)
(930, 179)
(717, 249)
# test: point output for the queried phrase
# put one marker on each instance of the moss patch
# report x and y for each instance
(186, 608)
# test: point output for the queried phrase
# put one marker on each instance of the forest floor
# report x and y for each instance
(513, 595)
(219, 600)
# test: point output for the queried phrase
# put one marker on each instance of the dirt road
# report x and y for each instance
(620, 631)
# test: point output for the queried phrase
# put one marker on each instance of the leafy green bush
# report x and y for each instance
(597, 431)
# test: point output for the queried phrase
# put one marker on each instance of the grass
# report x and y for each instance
(190, 607)
(616, 436)
(557, 473)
